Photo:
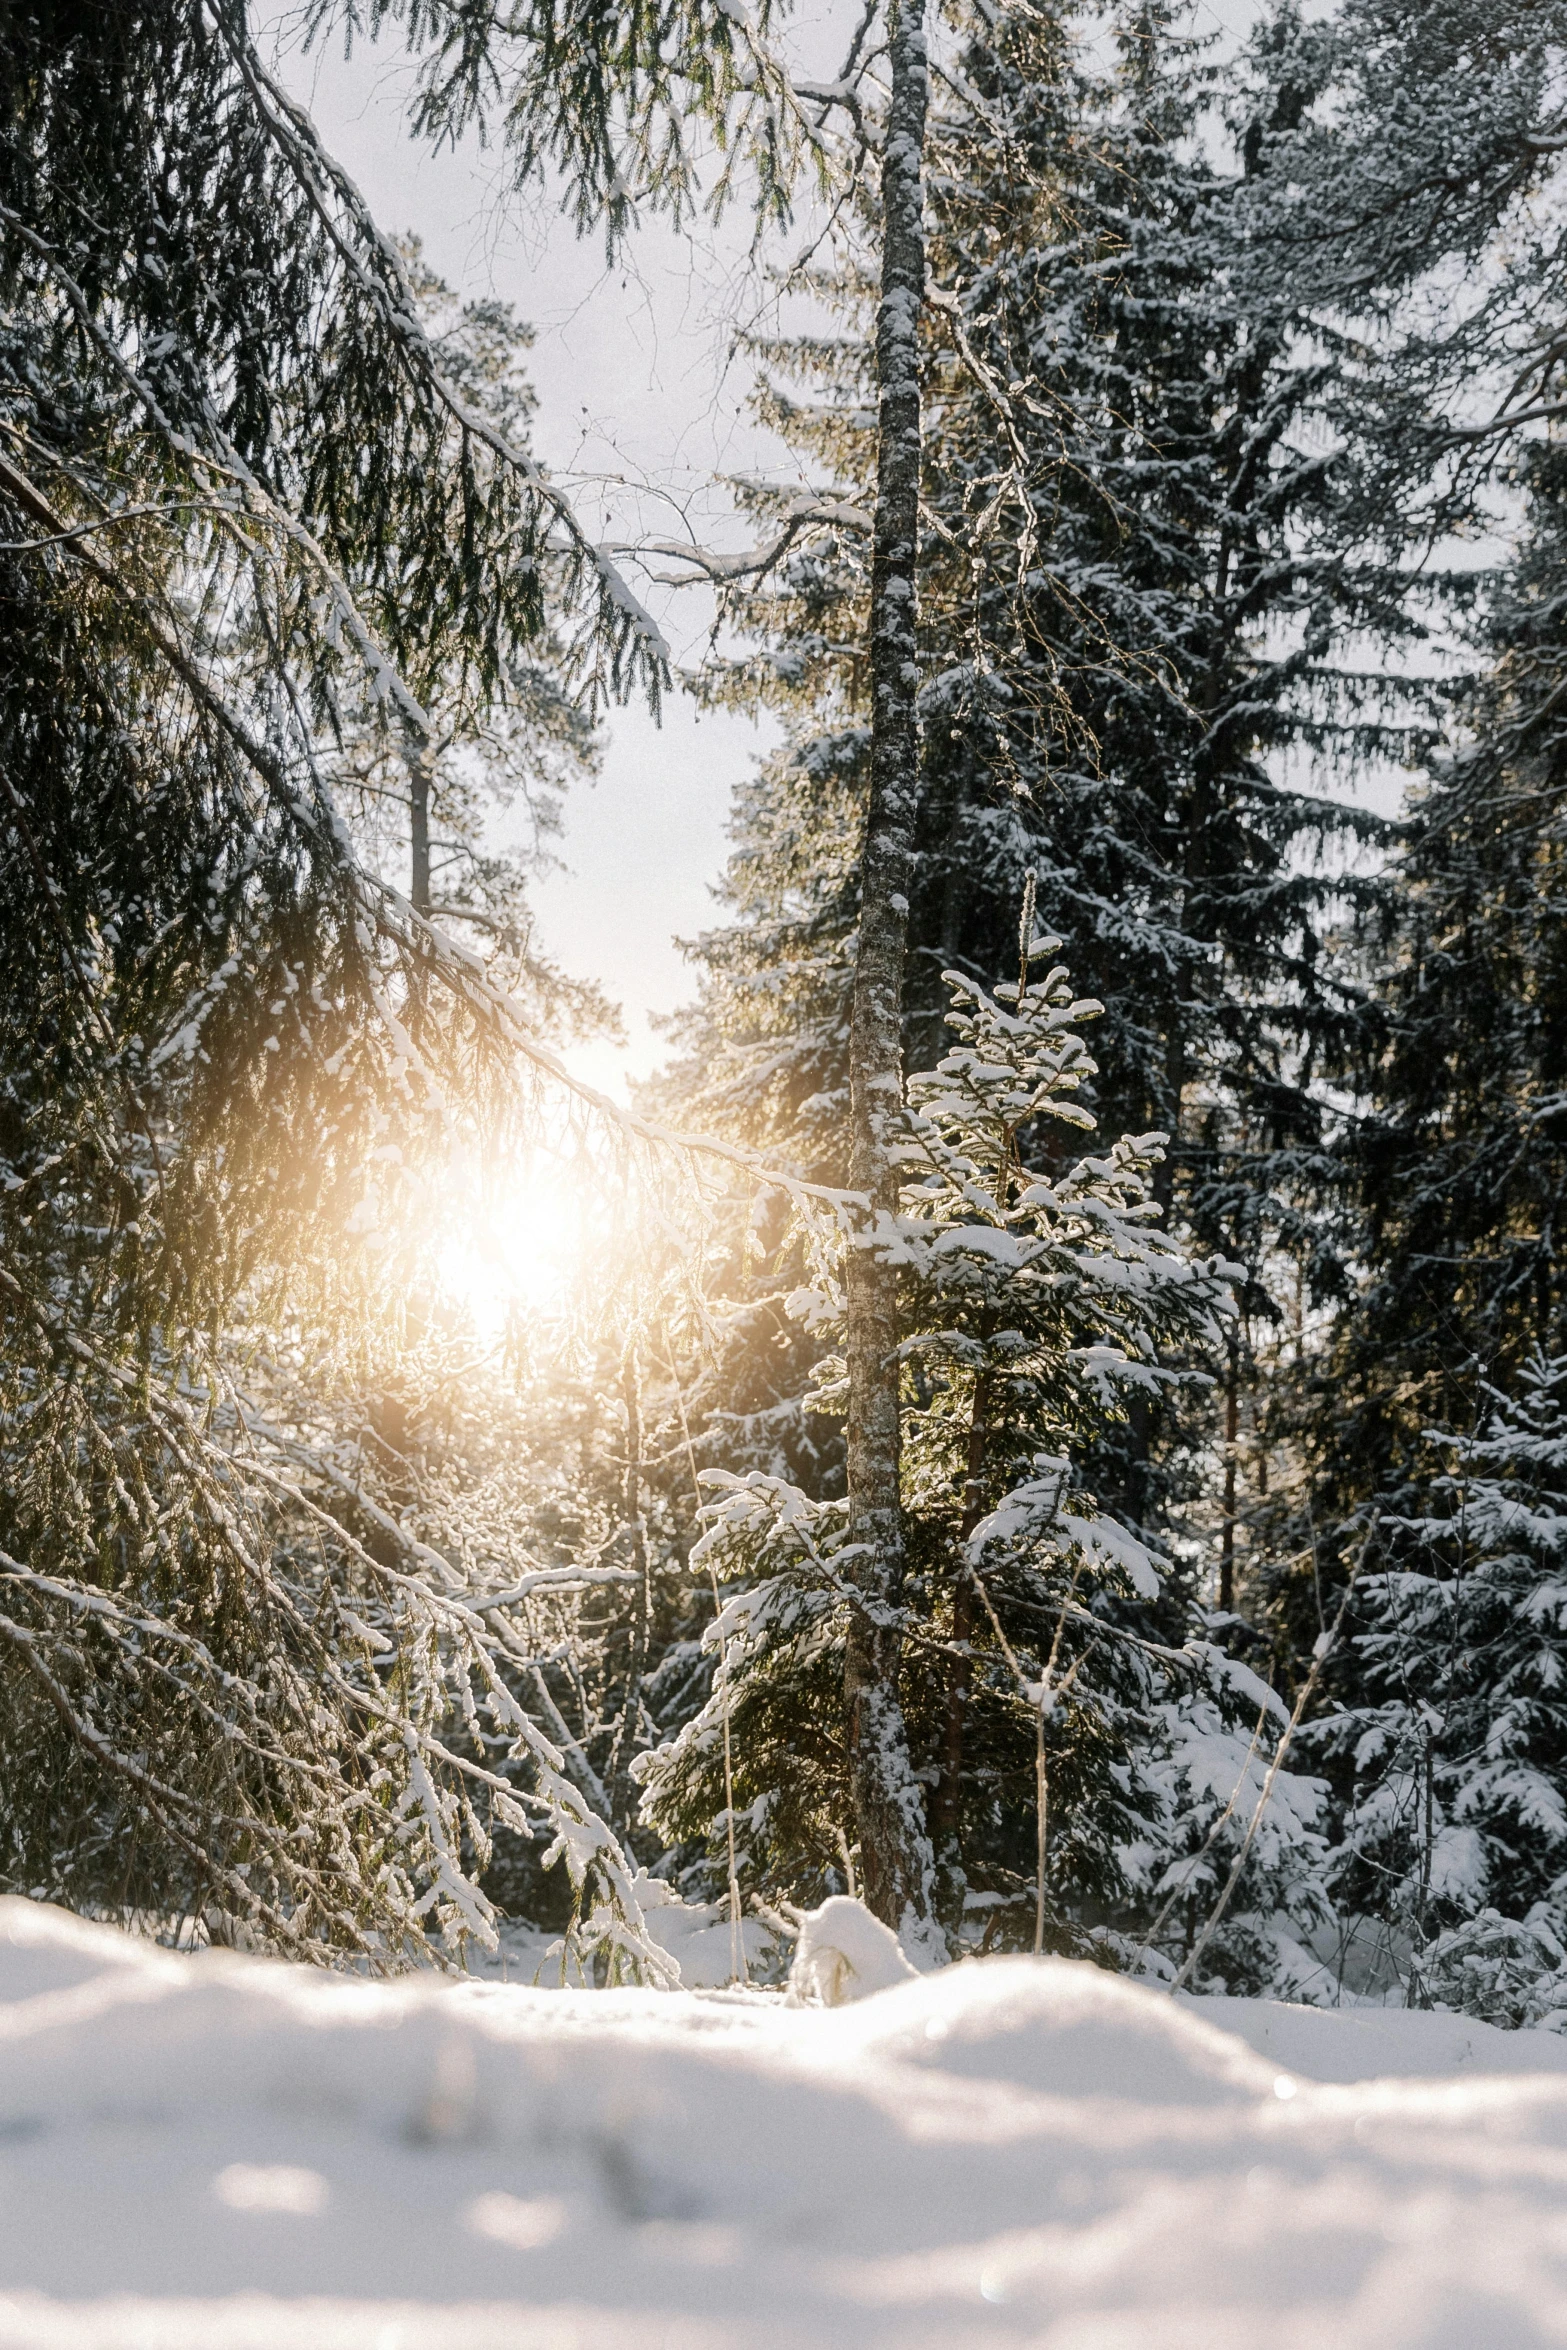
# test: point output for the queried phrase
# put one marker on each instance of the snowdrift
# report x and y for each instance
(222, 2153)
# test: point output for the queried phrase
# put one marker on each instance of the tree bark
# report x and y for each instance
(1232, 1399)
(896, 1863)
(620, 1782)
(419, 827)
(960, 1668)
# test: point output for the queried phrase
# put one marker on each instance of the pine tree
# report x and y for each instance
(1135, 605)
(423, 812)
(1056, 1704)
(1459, 1163)
(1455, 1837)
(1402, 206)
(244, 506)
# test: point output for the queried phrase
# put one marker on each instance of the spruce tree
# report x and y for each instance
(1059, 1690)
(1134, 608)
(1401, 206)
(1455, 1833)
(1460, 1160)
(887, 1807)
(245, 507)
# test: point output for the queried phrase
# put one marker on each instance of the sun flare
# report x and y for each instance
(521, 1245)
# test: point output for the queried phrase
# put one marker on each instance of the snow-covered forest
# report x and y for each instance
(1050, 1417)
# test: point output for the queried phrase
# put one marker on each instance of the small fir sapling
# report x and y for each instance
(1455, 1824)
(1056, 1704)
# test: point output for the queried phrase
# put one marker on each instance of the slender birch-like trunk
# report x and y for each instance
(895, 1854)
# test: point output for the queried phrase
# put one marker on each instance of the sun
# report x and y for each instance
(521, 1240)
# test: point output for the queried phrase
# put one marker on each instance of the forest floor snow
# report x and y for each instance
(214, 2152)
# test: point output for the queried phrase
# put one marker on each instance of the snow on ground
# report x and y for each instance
(214, 2152)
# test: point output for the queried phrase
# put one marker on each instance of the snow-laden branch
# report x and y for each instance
(802, 511)
(318, 171)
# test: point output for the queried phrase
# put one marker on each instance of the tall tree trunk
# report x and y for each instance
(620, 1782)
(1232, 1427)
(419, 826)
(895, 1853)
(960, 1668)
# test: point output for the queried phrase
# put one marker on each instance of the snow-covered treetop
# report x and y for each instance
(1076, 1250)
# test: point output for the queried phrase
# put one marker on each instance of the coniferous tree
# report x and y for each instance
(1119, 440)
(1128, 620)
(887, 1808)
(295, 396)
(1455, 1835)
(423, 811)
(1399, 205)
(1063, 1702)
(244, 503)
(1460, 1160)
(611, 110)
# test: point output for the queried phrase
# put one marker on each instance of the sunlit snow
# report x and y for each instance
(223, 2153)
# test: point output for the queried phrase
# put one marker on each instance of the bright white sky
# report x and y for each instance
(637, 397)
